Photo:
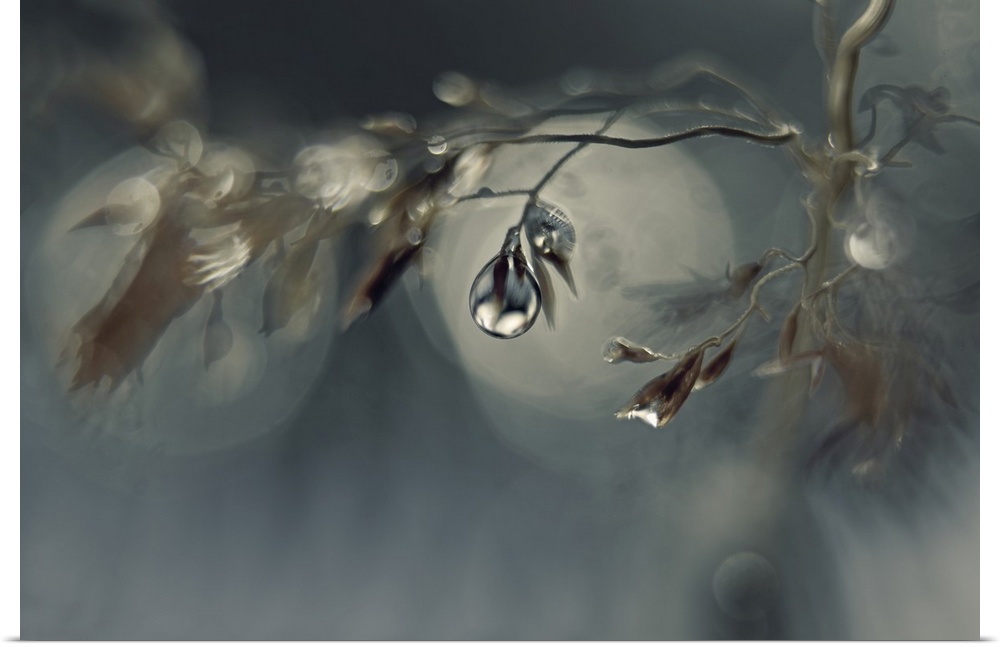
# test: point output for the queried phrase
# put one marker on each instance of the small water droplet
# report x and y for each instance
(414, 235)
(505, 298)
(454, 89)
(437, 145)
(384, 175)
(485, 192)
(549, 230)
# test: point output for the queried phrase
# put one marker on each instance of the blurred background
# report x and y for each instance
(411, 478)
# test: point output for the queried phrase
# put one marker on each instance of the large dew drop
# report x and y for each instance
(505, 297)
(549, 231)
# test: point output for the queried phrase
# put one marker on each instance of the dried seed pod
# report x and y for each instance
(548, 293)
(661, 398)
(549, 231)
(716, 366)
(620, 349)
(505, 296)
(741, 278)
(787, 336)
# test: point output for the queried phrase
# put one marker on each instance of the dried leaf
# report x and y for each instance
(716, 366)
(787, 336)
(545, 285)
(620, 349)
(660, 399)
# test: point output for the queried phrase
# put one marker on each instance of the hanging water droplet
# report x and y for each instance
(549, 230)
(505, 298)
(454, 89)
(437, 145)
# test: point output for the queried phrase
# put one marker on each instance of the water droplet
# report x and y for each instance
(384, 175)
(454, 89)
(132, 206)
(872, 246)
(180, 140)
(414, 235)
(485, 192)
(505, 298)
(437, 145)
(745, 586)
(549, 231)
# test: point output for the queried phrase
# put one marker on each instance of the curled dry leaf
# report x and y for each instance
(661, 398)
(620, 349)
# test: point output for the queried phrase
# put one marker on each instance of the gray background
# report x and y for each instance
(388, 506)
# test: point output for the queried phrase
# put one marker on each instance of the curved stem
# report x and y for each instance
(840, 96)
(768, 139)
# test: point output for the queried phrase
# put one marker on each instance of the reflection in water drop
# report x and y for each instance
(549, 230)
(132, 205)
(454, 89)
(505, 297)
(437, 145)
